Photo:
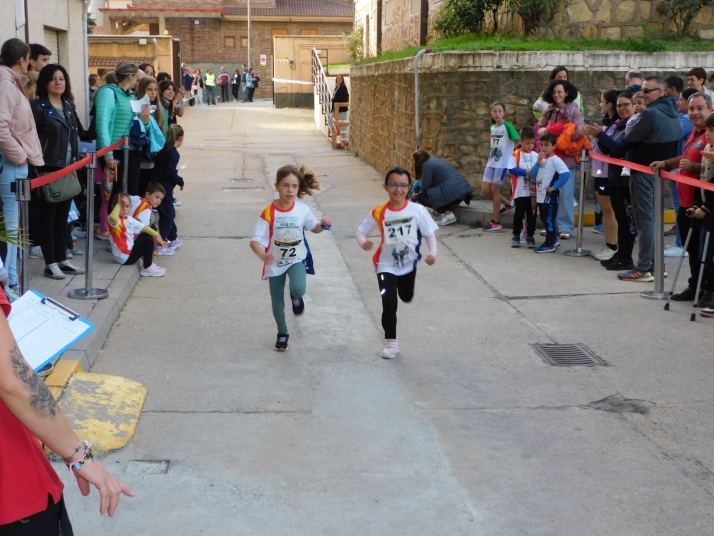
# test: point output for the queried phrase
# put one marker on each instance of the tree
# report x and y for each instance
(354, 43)
(684, 12)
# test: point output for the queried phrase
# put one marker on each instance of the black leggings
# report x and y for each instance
(143, 249)
(626, 232)
(391, 286)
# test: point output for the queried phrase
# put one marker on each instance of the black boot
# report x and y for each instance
(707, 300)
(686, 295)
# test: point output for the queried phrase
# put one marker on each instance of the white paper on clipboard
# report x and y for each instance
(43, 329)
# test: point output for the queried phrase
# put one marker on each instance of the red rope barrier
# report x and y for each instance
(644, 169)
(55, 175)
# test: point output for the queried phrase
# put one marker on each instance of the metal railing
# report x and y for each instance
(319, 79)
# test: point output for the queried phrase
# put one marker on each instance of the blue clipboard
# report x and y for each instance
(44, 328)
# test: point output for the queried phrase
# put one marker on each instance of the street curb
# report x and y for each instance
(472, 216)
(103, 317)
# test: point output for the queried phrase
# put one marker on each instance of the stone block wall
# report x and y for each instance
(457, 89)
(610, 19)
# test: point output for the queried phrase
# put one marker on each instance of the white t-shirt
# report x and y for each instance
(282, 233)
(398, 252)
(122, 235)
(546, 178)
(523, 160)
(502, 145)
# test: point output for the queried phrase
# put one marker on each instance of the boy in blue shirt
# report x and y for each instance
(551, 174)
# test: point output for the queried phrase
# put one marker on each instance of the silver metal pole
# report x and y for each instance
(125, 175)
(250, 41)
(89, 293)
(585, 165)
(416, 94)
(679, 266)
(23, 189)
(702, 268)
(658, 293)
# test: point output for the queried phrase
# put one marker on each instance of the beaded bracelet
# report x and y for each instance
(83, 458)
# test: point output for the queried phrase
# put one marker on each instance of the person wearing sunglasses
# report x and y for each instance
(655, 137)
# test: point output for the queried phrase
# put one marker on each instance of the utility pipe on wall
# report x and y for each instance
(85, 46)
(416, 93)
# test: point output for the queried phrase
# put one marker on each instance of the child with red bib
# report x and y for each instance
(131, 239)
(401, 225)
(279, 241)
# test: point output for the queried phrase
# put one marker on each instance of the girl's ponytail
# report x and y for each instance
(172, 136)
(308, 181)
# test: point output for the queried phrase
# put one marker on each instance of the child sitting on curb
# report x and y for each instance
(132, 240)
(143, 209)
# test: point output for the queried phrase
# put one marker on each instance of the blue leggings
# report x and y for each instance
(298, 285)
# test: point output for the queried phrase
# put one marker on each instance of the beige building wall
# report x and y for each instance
(105, 51)
(45, 17)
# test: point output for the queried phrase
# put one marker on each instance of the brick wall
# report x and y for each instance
(456, 92)
(203, 44)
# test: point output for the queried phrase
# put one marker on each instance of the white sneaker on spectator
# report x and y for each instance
(103, 235)
(674, 251)
(68, 254)
(600, 251)
(448, 219)
(11, 294)
(176, 243)
(35, 252)
(77, 232)
(76, 251)
(166, 251)
(70, 269)
(177, 202)
(53, 271)
(605, 255)
(153, 271)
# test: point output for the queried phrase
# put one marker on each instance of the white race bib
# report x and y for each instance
(288, 247)
(400, 231)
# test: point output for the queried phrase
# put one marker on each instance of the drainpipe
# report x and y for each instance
(156, 55)
(85, 16)
(416, 93)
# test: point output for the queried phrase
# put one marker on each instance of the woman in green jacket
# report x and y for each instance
(113, 122)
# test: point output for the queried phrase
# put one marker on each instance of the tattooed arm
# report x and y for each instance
(28, 398)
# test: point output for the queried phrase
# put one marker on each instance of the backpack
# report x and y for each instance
(92, 130)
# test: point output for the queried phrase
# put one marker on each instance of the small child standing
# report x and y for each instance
(522, 161)
(166, 174)
(551, 174)
(503, 141)
(639, 106)
(279, 241)
(401, 225)
(132, 240)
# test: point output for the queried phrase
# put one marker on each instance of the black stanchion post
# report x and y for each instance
(125, 175)
(89, 293)
(584, 170)
(658, 293)
(23, 188)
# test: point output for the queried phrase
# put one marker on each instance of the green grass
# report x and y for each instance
(509, 42)
(337, 66)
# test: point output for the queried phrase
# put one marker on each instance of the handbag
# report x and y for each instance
(62, 189)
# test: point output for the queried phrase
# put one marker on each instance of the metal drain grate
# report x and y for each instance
(567, 355)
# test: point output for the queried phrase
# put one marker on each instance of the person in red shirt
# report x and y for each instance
(31, 501)
(690, 165)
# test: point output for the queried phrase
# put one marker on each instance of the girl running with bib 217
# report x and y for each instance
(279, 241)
(401, 224)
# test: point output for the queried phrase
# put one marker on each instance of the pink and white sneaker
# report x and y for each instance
(391, 349)
(153, 271)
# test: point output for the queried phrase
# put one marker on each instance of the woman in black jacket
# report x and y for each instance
(442, 187)
(59, 138)
(340, 95)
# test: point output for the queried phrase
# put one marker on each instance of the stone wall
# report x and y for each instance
(457, 89)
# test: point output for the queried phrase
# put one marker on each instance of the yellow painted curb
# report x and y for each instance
(56, 392)
(103, 409)
(62, 372)
(589, 218)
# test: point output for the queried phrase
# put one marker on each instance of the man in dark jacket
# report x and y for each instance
(655, 136)
(633, 81)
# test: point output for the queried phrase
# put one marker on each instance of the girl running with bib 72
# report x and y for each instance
(279, 241)
(401, 224)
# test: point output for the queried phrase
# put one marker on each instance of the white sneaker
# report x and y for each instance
(674, 251)
(177, 202)
(448, 219)
(166, 251)
(391, 349)
(70, 269)
(153, 271)
(600, 251)
(35, 252)
(605, 255)
(53, 271)
(77, 232)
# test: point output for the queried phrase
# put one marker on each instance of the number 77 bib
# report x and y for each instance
(400, 231)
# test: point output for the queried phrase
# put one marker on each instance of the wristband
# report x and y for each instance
(83, 458)
(326, 227)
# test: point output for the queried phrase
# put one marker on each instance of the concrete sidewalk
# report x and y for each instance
(467, 432)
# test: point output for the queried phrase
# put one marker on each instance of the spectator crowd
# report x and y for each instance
(210, 88)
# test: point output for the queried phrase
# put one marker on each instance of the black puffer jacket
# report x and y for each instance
(56, 132)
